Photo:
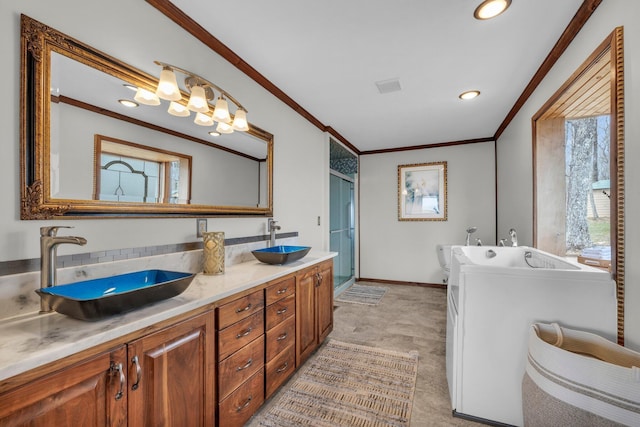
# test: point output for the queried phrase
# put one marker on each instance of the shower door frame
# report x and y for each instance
(351, 229)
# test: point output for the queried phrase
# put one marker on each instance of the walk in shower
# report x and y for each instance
(344, 167)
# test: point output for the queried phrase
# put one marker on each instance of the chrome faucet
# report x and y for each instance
(48, 257)
(470, 231)
(514, 237)
(272, 232)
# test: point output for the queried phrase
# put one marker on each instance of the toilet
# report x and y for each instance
(444, 258)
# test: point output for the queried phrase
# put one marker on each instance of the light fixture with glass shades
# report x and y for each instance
(491, 8)
(200, 92)
(470, 94)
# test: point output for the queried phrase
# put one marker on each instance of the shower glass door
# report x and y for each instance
(342, 220)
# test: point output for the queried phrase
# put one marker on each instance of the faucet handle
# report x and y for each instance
(51, 231)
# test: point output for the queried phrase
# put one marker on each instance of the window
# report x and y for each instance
(129, 172)
(574, 118)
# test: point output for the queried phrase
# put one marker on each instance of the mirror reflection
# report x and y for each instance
(103, 152)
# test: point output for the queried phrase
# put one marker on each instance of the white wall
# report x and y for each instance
(138, 34)
(515, 186)
(406, 250)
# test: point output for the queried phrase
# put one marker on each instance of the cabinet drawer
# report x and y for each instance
(240, 405)
(281, 337)
(238, 335)
(235, 369)
(230, 313)
(280, 290)
(280, 310)
(279, 369)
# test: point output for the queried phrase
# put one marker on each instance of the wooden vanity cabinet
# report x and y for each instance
(280, 320)
(314, 308)
(83, 394)
(165, 378)
(241, 348)
(172, 375)
(201, 369)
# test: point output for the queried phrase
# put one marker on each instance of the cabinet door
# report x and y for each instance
(324, 300)
(85, 394)
(306, 330)
(171, 375)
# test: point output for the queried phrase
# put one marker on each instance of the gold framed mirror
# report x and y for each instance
(72, 93)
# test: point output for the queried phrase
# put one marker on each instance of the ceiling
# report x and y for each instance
(327, 57)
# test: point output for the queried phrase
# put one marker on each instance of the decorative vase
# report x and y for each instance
(213, 252)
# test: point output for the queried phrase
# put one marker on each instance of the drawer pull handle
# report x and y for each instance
(242, 368)
(282, 368)
(245, 404)
(281, 291)
(282, 337)
(240, 310)
(245, 333)
(281, 311)
(116, 369)
(136, 362)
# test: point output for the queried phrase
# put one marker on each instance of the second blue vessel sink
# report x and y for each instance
(99, 298)
(281, 254)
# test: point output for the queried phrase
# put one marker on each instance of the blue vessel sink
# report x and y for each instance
(99, 298)
(281, 254)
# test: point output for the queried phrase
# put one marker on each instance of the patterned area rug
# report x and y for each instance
(359, 294)
(348, 385)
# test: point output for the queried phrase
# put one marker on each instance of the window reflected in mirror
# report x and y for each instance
(130, 172)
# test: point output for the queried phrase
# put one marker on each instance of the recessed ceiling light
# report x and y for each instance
(491, 8)
(130, 87)
(128, 103)
(214, 133)
(470, 94)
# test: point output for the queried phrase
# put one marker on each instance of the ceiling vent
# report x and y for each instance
(386, 86)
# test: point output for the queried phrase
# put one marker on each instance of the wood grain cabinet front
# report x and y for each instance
(164, 378)
(91, 393)
(314, 308)
(241, 347)
(281, 333)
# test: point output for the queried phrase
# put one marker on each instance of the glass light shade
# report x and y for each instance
(224, 128)
(146, 97)
(491, 8)
(168, 85)
(176, 109)
(240, 121)
(221, 113)
(198, 100)
(203, 120)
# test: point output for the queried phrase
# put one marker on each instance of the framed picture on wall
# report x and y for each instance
(422, 192)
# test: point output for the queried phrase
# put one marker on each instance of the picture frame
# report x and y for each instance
(422, 192)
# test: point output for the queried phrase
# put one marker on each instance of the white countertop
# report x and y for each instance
(32, 340)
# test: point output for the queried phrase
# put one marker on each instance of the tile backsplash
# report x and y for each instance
(20, 278)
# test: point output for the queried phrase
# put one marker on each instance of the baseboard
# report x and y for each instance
(398, 282)
(479, 419)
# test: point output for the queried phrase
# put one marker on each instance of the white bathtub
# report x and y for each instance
(494, 295)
